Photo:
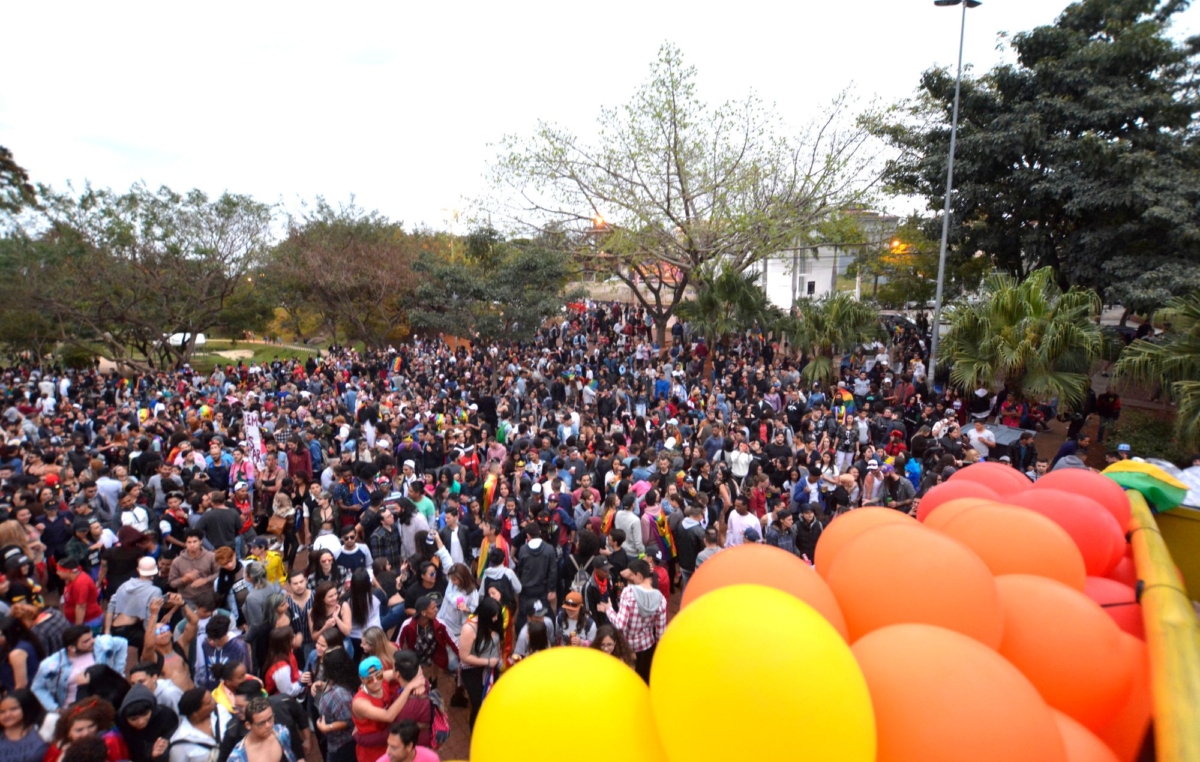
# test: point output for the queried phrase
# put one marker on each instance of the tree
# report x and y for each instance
(16, 192)
(1027, 334)
(498, 290)
(829, 325)
(1173, 361)
(1080, 156)
(909, 264)
(352, 266)
(673, 186)
(129, 269)
(727, 302)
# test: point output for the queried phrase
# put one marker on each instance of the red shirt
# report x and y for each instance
(82, 590)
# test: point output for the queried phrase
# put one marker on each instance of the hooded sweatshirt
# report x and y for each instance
(163, 724)
(648, 601)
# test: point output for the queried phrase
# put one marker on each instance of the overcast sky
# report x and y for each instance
(401, 104)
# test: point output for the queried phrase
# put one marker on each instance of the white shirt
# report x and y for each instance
(738, 524)
(982, 441)
(456, 549)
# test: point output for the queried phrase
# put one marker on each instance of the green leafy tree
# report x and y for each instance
(909, 266)
(1026, 333)
(501, 290)
(673, 186)
(1079, 156)
(827, 327)
(16, 192)
(727, 302)
(1172, 361)
(353, 267)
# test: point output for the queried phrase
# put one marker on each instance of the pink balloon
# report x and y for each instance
(1119, 602)
(1093, 529)
(1003, 479)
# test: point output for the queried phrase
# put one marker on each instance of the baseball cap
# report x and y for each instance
(872, 464)
(600, 563)
(1123, 447)
(1005, 459)
(147, 567)
(240, 485)
(751, 535)
(260, 542)
(536, 488)
(573, 601)
(80, 525)
(369, 665)
(410, 464)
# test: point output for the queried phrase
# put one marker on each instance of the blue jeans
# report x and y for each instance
(393, 618)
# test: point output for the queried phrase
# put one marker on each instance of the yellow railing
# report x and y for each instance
(1172, 638)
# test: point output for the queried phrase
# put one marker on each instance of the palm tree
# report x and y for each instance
(824, 327)
(1028, 334)
(726, 302)
(1172, 360)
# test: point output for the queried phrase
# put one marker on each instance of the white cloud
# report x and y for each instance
(397, 103)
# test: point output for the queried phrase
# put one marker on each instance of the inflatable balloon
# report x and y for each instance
(1124, 572)
(903, 574)
(951, 508)
(845, 528)
(1103, 490)
(1067, 647)
(947, 491)
(1093, 529)
(737, 647)
(1016, 541)
(544, 696)
(1119, 602)
(1081, 744)
(1003, 479)
(757, 564)
(943, 697)
(1126, 732)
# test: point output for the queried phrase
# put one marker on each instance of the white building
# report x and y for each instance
(809, 271)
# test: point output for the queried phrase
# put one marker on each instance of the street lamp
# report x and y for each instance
(941, 279)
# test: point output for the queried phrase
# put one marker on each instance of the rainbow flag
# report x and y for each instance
(490, 486)
(666, 539)
(397, 364)
(606, 523)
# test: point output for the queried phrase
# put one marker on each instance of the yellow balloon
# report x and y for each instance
(753, 649)
(538, 709)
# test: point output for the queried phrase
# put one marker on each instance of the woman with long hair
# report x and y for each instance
(20, 654)
(360, 610)
(282, 674)
(335, 721)
(325, 608)
(479, 652)
(20, 716)
(611, 641)
(87, 718)
(461, 598)
(22, 588)
(375, 643)
(325, 570)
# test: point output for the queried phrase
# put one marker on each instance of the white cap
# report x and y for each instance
(147, 567)
(410, 464)
(872, 464)
(536, 488)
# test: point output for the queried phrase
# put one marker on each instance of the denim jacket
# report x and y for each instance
(50, 683)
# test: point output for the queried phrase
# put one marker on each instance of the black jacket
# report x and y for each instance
(537, 569)
(807, 536)
(688, 544)
(163, 723)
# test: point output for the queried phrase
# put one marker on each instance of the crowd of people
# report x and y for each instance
(266, 559)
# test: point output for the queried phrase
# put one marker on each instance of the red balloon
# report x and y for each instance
(1126, 733)
(1100, 488)
(1119, 602)
(1004, 480)
(947, 491)
(1082, 744)
(1125, 572)
(1093, 529)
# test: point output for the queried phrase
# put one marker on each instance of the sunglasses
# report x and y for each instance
(373, 677)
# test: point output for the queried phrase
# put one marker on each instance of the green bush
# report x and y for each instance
(76, 357)
(1149, 436)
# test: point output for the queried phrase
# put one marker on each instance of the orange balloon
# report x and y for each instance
(756, 564)
(1093, 529)
(947, 491)
(1126, 732)
(902, 574)
(1067, 647)
(951, 508)
(1012, 540)
(1119, 602)
(943, 697)
(845, 528)
(1082, 744)
(1098, 487)
(1004, 480)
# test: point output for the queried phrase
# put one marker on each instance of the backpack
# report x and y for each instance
(582, 575)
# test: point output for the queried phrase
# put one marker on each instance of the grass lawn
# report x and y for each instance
(203, 363)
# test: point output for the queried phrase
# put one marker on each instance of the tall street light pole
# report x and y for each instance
(941, 278)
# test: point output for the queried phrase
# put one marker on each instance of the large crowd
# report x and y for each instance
(270, 558)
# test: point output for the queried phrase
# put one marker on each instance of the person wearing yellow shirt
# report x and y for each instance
(271, 560)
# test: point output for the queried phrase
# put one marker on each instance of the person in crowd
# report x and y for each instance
(610, 640)
(21, 654)
(376, 706)
(335, 720)
(146, 725)
(53, 683)
(20, 717)
(479, 651)
(641, 615)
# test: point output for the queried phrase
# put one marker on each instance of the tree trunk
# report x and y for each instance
(660, 330)
(1125, 317)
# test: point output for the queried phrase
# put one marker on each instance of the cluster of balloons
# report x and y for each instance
(998, 625)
